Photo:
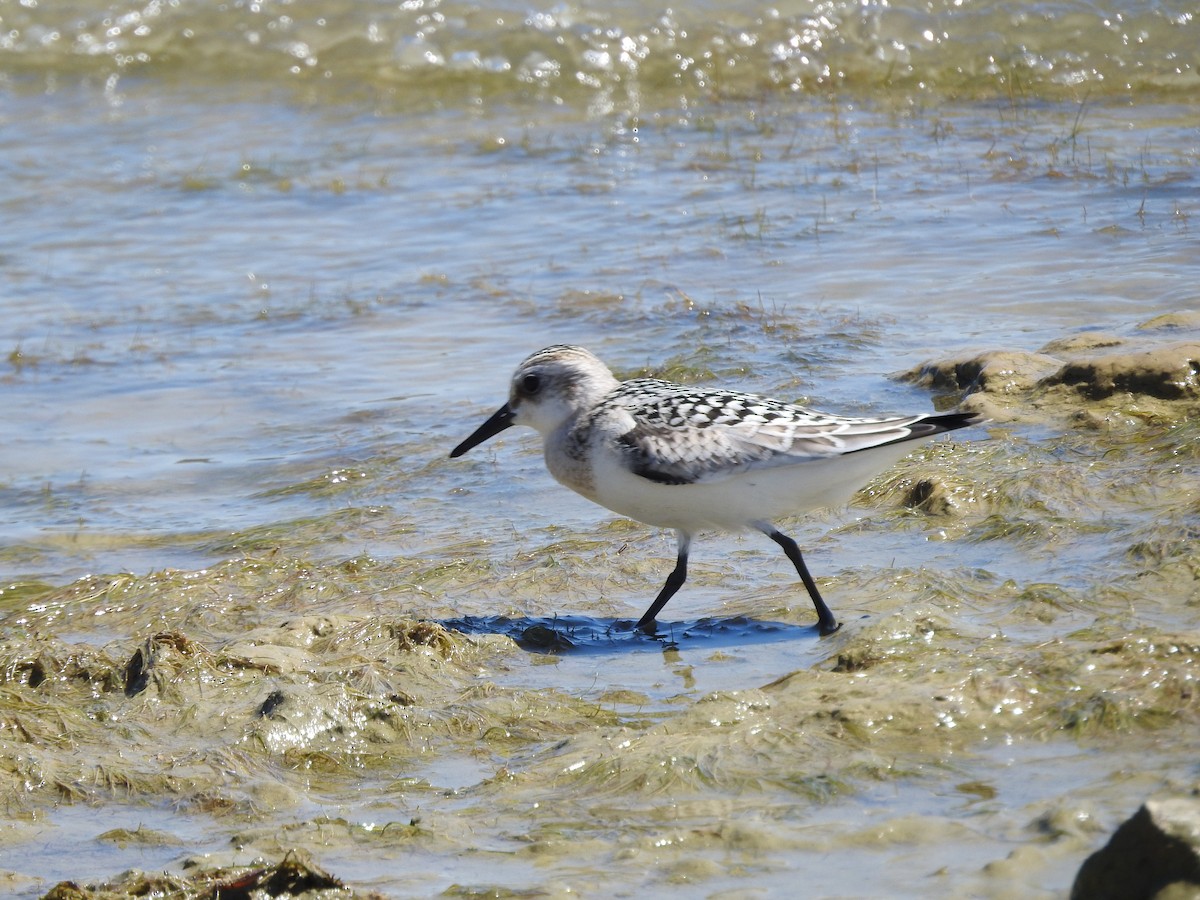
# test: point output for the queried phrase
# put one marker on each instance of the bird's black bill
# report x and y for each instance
(501, 419)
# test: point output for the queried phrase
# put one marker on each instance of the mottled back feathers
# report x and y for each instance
(671, 434)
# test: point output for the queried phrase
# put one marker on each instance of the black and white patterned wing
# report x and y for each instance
(673, 435)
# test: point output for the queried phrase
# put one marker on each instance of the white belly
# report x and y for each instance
(735, 503)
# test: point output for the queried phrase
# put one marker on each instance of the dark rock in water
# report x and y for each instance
(1156, 853)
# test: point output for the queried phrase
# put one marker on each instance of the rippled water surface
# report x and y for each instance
(263, 264)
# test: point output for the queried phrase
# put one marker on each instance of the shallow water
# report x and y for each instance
(247, 310)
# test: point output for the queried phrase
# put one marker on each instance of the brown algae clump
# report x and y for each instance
(137, 715)
(294, 875)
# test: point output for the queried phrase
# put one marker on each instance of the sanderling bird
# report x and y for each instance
(694, 459)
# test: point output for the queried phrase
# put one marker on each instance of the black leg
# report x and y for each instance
(826, 623)
(674, 582)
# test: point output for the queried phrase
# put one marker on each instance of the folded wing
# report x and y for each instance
(698, 438)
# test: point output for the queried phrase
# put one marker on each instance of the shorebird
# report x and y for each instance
(696, 459)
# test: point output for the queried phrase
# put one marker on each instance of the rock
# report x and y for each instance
(994, 371)
(1154, 854)
(1171, 372)
(1081, 343)
(1176, 321)
(1090, 378)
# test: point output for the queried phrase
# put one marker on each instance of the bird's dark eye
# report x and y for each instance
(531, 384)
